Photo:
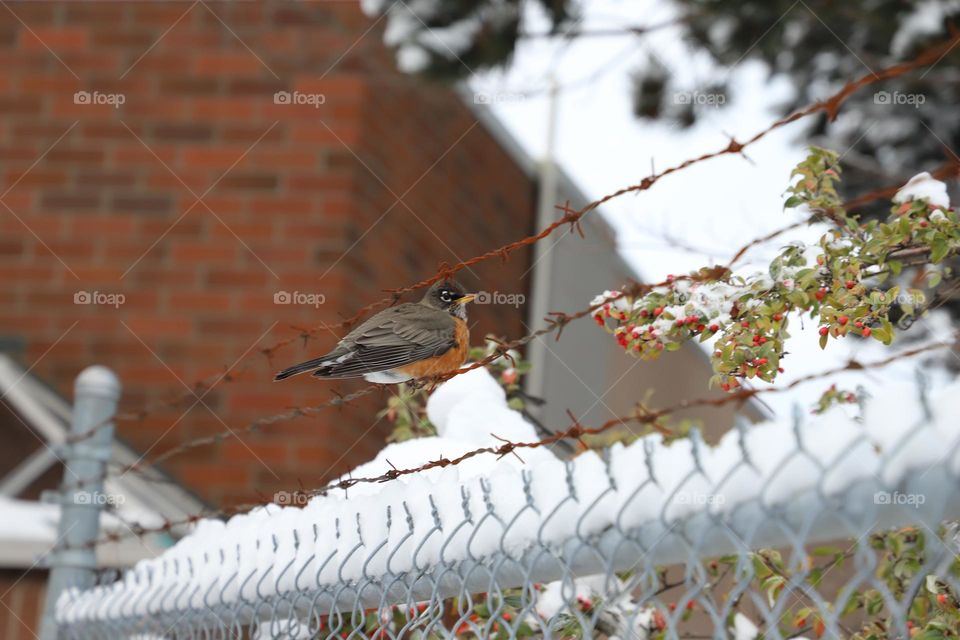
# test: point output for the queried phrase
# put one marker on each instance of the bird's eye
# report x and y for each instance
(446, 296)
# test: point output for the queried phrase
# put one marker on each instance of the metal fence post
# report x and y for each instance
(73, 559)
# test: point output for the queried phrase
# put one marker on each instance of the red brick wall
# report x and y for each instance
(96, 203)
(21, 603)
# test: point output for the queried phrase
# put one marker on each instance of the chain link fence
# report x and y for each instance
(835, 525)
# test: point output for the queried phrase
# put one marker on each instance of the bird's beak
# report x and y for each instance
(470, 297)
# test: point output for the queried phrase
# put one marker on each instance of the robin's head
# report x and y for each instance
(449, 296)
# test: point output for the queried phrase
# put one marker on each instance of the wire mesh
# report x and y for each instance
(827, 526)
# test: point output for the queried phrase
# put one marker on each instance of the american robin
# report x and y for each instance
(409, 341)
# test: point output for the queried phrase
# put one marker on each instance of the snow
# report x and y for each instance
(743, 628)
(923, 186)
(501, 505)
(28, 521)
(927, 20)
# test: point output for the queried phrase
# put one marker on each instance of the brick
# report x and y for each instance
(214, 475)
(218, 156)
(150, 204)
(219, 277)
(228, 63)
(187, 302)
(250, 181)
(97, 177)
(183, 132)
(11, 248)
(184, 85)
(36, 177)
(224, 109)
(20, 105)
(57, 38)
(124, 38)
(188, 253)
(153, 326)
(101, 131)
(78, 201)
(236, 452)
(264, 87)
(96, 226)
(69, 155)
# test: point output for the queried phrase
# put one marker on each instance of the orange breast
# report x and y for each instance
(449, 361)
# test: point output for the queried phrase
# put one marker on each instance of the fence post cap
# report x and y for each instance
(98, 380)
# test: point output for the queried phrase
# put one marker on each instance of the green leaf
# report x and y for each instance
(939, 249)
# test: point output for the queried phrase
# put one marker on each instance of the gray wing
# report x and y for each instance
(396, 337)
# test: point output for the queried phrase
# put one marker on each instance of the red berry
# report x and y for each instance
(824, 331)
(658, 311)
(762, 361)
(701, 327)
(924, 224)
(942, 598)
(672, 606)
(599, 319)
(745, 324)
(726, 387)
(819, 295)
(690, 605)
(644, 313)
(509, 376)
(778, 317)
(851, 284)
(843, 320)
(858, 324)
(866, 332)
(714, 328)
(679, 322)
(762, 340)
(780, 369)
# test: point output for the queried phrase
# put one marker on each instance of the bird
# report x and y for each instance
(406, 342)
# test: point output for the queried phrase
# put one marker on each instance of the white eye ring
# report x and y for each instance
(445, 296)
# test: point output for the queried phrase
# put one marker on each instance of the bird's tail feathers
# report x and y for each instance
(309, 365)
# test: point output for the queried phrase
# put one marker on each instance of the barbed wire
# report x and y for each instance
(556, 321)
(574, 432)
(571, 217)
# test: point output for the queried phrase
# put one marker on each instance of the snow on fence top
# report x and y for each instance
(493, 523)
